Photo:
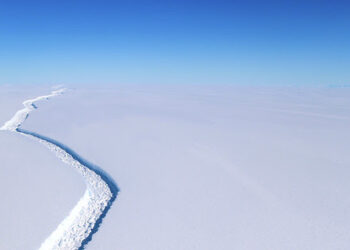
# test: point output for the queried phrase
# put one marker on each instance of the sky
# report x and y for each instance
(175, 42)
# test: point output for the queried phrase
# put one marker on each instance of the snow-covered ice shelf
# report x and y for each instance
(211, 167)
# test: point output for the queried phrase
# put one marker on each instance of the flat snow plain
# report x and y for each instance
(198, 167)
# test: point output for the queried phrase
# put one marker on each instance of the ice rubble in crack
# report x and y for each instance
(81, 220)
(75, 228)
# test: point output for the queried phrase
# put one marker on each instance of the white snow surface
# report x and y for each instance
(213, 167)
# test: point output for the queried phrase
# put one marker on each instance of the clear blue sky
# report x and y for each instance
(220, 42)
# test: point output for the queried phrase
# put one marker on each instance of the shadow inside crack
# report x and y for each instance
(104, 176)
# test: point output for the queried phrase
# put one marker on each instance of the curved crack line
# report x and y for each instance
(77, 229)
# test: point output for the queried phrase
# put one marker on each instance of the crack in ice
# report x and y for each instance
(76, 230)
